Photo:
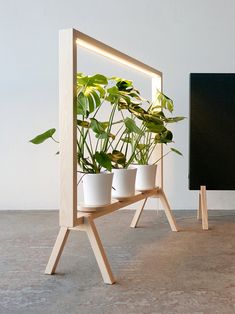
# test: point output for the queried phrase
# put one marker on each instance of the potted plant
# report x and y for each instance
(122, 155)
(122, 158)
(154, 132)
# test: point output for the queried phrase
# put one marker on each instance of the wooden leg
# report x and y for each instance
(57, 250)
(168, 211)
(98, 250)
(199, 210)
(137, 215)
(204, 208)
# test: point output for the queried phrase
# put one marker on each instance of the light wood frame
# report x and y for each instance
(72, 218)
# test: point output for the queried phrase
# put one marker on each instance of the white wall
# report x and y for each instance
(177, 37)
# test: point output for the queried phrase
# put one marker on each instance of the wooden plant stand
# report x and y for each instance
(85, 222)
(70, 217)
(202, 212)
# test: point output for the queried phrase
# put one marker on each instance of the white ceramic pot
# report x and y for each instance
(145, 177)
(97, 188)
(123, 183)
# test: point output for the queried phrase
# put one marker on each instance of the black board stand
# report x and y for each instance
(202, 212)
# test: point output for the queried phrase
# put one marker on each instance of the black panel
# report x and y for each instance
(212, 131)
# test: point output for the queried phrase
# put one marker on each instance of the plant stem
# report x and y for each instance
(54, 140)
(105, 145)
(161, 157)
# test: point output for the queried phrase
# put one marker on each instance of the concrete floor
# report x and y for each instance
(157, 271)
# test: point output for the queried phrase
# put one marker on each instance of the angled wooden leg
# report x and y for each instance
(137, 215)
(199, 210)
(168, 211)
(57, 250)
(204, 208)
(98, 250)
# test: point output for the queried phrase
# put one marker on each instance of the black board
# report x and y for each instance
(212, 131)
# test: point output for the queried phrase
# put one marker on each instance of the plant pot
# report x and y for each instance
(145, 177)
(123, 183)
(97, 188)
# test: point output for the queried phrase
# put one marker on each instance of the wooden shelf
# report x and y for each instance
(115, 205)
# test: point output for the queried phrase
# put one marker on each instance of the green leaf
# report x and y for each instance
(165, 101)
(176, 151)
(96, 126)
(42, 137)
(169, 105)
(102, 135)
(81, 79)
(101, 91)
(143, 146)
(98, 79)
(113, 90)
(154, 127)
(164, 137)
(151, 118)
(124, 85)
(84, 124)
(103, 160)
(104, 124)
(142, 114)
(122, 104)
(99, 128)
(81, 104)
(167, 135)
(135, 95)
(127, 99)
(91, 103)
(85, 164)
(132, 127)
(117, 157)
(174, 119)
(96, 98)
(111, 98)
(114, 78)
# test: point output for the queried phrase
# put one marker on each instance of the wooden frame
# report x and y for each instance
(72, 218)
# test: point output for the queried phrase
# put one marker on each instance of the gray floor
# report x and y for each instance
(157, 271)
